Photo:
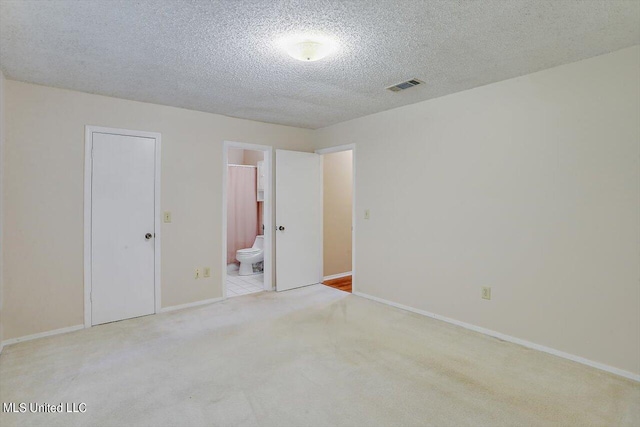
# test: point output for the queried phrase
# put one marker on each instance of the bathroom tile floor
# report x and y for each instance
(243, 285)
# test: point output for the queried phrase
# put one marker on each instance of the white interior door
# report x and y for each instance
(122, 227)
(298, 219)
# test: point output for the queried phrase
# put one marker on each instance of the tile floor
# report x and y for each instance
(243, 285)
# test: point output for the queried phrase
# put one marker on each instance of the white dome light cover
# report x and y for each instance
(308, 48)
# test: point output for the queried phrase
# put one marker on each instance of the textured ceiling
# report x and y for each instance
(222, 56)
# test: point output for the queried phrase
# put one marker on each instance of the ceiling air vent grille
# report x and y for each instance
(405, 85)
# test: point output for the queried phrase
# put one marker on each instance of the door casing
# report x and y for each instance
(88, 165)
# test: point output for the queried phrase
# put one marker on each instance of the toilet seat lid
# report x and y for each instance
(248, 251)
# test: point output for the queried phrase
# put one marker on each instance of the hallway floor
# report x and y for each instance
(341, 283)
(313, 356)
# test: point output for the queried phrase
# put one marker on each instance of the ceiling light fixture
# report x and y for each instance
(308, 48)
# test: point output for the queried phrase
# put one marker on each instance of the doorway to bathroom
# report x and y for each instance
(338, 216)
(247, 229)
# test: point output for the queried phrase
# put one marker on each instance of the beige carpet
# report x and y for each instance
(308, 357)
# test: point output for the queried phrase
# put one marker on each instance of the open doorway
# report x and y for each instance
(338, 216)
(247, 226)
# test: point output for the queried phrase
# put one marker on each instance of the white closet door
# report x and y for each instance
(122, 227)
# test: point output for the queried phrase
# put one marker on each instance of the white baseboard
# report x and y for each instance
(337, 276)
(190, 304)
(42, 335)
(78, 327)
(524, 343)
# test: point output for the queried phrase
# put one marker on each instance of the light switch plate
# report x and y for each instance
(366, 214)
(206, 272)
(197, 273)
(166, 216)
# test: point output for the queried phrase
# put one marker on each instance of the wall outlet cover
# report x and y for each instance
(486, 292)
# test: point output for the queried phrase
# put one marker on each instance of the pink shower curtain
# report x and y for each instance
(242, 210)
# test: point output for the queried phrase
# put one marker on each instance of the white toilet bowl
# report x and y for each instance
(250, 256)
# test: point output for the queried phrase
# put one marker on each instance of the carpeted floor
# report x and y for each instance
(308, 357)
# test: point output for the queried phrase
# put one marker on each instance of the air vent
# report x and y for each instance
(405, 85)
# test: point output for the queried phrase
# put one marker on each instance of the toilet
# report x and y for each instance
(250, 256)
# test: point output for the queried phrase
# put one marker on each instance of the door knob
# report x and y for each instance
(281, 228)
(148, 236)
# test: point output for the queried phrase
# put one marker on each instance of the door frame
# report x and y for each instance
(88, 169)
(336, 149)
(267, 211)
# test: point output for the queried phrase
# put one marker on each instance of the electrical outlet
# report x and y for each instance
(197, 273)
(366, 214)
(166, 216)
(206, 272)
(486, 292)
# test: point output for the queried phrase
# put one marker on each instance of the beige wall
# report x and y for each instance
(239, 156)
(337, 207)
(235, 156)
(530, 186)
(252, 157)
(44, 161)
